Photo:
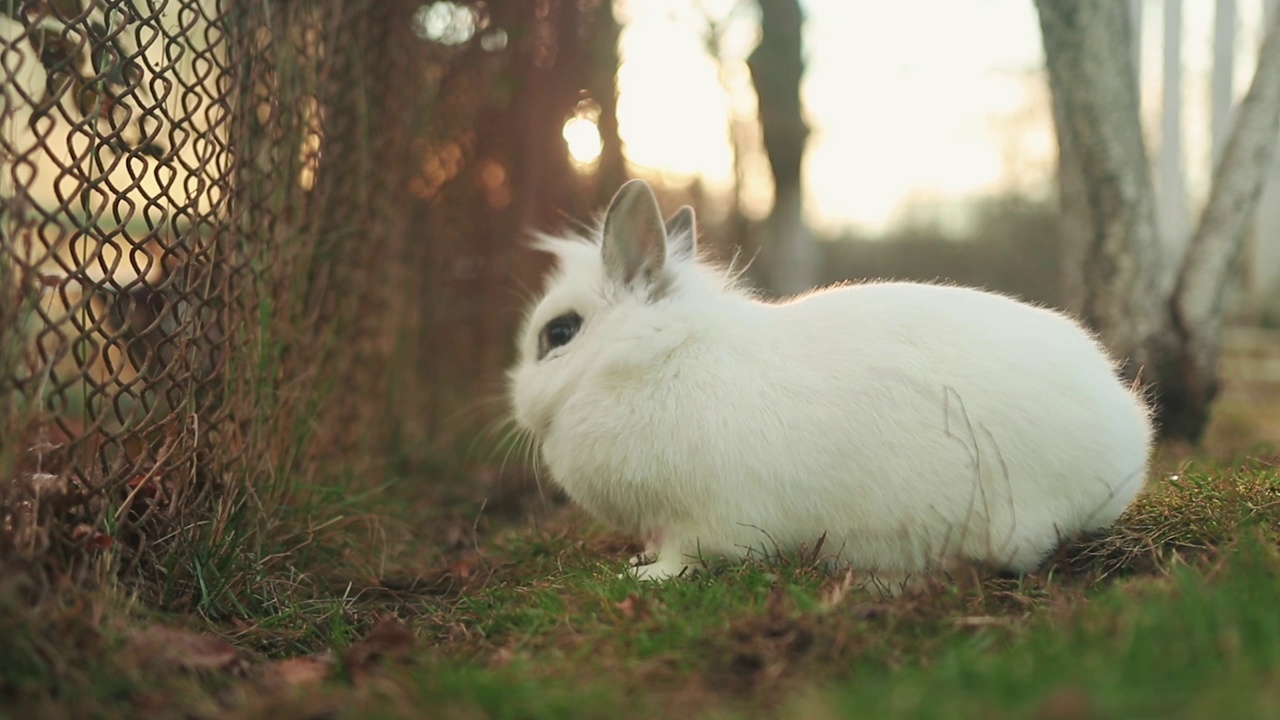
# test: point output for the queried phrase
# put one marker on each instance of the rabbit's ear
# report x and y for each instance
(635, 241)
(682, 233)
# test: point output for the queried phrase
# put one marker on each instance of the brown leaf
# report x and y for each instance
(161, 647)
(389, 639)
(298, 672)
(147, 488)
(91, 538)
(632, 607)
(502, 657)
(1067, 704)
(460, 569)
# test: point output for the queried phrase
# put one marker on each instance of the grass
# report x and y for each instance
(1173, 614)
(309, 592)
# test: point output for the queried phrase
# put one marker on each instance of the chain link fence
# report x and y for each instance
(250, 245)
(208, 271)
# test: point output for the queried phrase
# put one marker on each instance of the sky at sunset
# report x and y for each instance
(914, 103)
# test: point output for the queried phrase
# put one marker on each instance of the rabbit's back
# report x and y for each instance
(905, 421)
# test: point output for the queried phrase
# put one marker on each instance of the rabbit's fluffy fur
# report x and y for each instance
(911, 424)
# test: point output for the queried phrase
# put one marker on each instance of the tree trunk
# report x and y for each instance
(1264, 275)
(777, 67)
(602, 82)
(1171, 336)
(1223, 78)
(1172, 216)
(736, 229)
(1135, 44)
(1199, 298)
(1110, 209)
(1264, 268)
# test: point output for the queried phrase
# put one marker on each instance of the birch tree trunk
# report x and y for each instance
(1171, 336)
(1199, 298)
(1135, 31)
(1109, 208)
(1264, 274)
(602, 81)
(1265, 268)
(1223, 77)
(777, 67)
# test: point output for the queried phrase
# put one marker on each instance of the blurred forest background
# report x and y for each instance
(248, 246)
(822, 142)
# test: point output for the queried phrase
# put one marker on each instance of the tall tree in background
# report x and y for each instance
(1172, 214)
(777, 67)
(491, 163)
(1162, 312)
(1264, 275)
(602, 84)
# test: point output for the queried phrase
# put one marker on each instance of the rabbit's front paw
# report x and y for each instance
(647, 557)
(658, 571)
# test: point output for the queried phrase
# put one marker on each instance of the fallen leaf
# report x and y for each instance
(632, 607)
(298, 672)
(502, 657)
(390, 639)
(91, 538)
(161, 647)
(1067, 704)
(460, 569)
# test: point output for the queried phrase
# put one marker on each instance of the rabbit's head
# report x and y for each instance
(615, 305)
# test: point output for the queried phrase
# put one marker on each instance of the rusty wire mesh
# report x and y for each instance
(195, 245)
(246, 240)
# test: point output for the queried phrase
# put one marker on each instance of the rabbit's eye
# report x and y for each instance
(558, 332)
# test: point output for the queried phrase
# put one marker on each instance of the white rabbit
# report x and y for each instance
(912, 424)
